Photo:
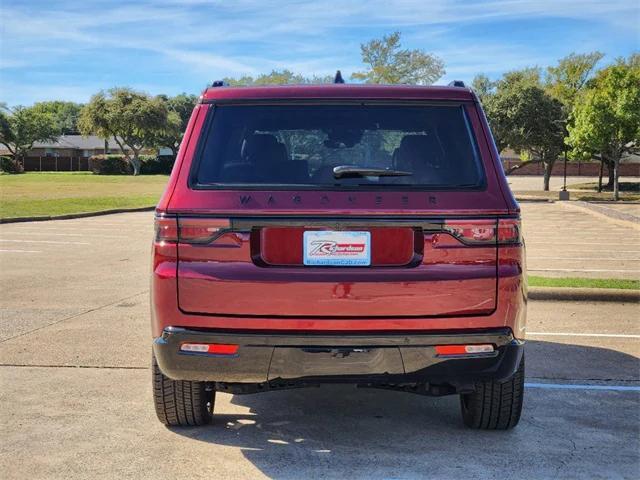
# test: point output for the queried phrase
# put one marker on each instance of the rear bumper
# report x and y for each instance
(272, 358)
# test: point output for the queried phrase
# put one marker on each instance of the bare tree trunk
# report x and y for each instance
(548, 167)
(600, 176)
(19, 160)
(135, 163)
(616, 170)
(610, 168)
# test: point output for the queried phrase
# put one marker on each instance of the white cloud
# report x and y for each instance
(211, 39)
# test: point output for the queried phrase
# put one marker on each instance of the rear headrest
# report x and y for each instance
(418, 151)
(259, 144)
(418, 143)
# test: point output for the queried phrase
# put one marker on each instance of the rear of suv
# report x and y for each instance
(338, 234)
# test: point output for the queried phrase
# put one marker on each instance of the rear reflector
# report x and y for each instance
(463, 349)
(212, 348)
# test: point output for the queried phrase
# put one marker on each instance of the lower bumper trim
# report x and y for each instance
(271, 359)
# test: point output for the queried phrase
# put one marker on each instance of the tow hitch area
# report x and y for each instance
(310, 362)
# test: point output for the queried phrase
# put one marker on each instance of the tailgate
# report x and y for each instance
(405, 267)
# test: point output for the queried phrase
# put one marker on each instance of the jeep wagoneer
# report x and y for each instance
(359, 234)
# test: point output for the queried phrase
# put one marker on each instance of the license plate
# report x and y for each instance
(337, 248)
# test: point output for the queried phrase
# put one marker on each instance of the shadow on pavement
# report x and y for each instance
(340, 431)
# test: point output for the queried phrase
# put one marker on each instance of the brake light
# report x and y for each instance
(484, 232)
(210, 348)
(189, 230)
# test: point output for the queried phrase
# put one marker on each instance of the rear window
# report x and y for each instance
(338, 146)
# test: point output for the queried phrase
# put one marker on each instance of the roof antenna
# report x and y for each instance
(338, 78)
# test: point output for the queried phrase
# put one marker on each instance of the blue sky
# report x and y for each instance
(62, 49)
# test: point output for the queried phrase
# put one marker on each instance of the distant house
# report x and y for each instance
(67, 153)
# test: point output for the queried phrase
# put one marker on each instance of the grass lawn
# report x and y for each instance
(593, 186)
(584, 283)
(42, 194)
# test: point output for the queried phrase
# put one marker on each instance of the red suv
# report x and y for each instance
(356, 234)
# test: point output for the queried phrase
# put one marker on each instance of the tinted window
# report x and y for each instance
(430, 146)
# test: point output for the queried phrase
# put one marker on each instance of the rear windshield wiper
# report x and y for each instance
(350, 171)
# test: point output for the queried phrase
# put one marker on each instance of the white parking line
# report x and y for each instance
(569, 334)
(47, 234)
(20, 251)
(557, 248)
(618, 259)
(564, 386)
(586, 243)
(77, 229)
(592, 270)
(44, 241)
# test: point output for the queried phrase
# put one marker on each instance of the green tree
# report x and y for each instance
(524, 117)
(133, 119)
(483, 86)
(565, 80)
(179, 109)
(524, 76)
(493, 106)
(21, 127)
(607, 116)
(65, 115)
(387, 62)
(277, 77)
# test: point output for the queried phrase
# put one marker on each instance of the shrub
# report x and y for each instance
(9, 165)
(152, 165)
(110, 165)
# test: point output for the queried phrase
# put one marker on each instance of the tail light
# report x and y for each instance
(189, 230)
(485, 231)
(509, 231)
(166, 229)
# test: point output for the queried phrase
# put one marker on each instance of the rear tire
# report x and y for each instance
(181, 403)
(495, 405)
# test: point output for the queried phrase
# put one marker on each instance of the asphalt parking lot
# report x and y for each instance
(575, 239)
(75, 386)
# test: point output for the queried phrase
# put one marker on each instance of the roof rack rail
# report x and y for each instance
(457, 83)
(219, 83)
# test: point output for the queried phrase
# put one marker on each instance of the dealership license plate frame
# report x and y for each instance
(329, 248)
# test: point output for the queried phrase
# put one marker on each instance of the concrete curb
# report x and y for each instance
(75, 215)
(584, 294)
(534, 200)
